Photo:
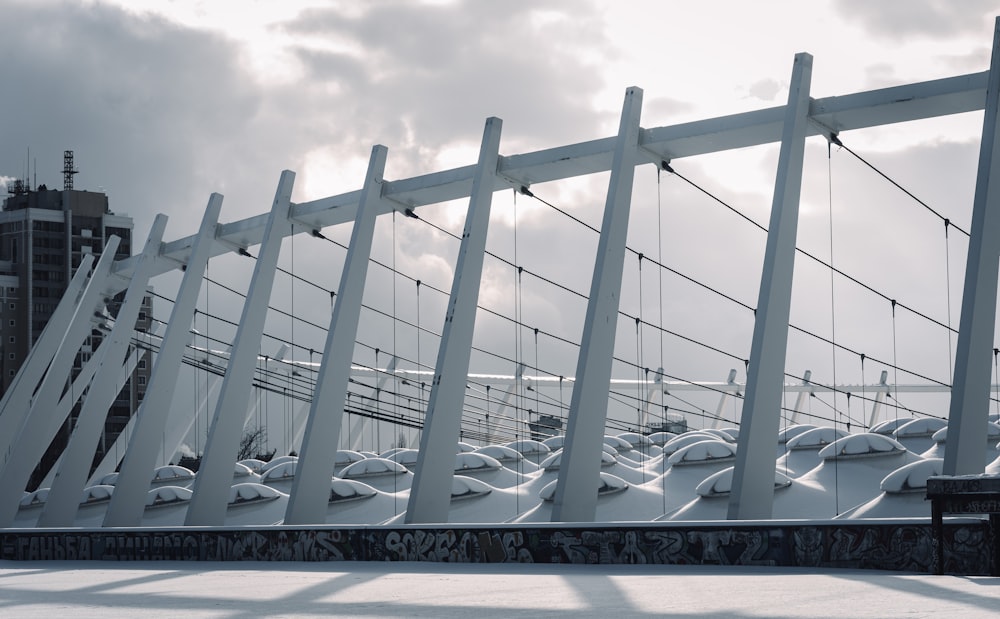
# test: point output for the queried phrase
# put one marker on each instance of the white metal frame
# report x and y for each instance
(790, 124)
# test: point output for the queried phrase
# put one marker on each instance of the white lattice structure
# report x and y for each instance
(32, 409)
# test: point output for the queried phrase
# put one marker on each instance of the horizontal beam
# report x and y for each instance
(922, 100)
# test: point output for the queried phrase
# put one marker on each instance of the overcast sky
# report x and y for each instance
(166, 102)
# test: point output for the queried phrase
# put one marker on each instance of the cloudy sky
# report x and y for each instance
(165, 102)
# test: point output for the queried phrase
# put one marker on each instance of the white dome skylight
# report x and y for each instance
(889, 426)
(500, 453)
(347, 456)
(688, 438)
(172, 473)
(463, 488)
(721, 483)
(96, 494)
(617, 443)
(406, 457)
(345, 490)
(473, 461)
(277, 462)
(253, 464)
(862, 446)
(552, 463)
(109, 480)
(636, 440)
(722, 435)
(167, 495)
(701, 452)
(912, 477)
(790, 432)
(925, 426)
(529, 447)
(373, 467)
(815, 438)
(38, 497)
(555, 442)
(242, 470)
(249, 493)
(279, 472)
(464, 447)
(607, 484)
(992, 433)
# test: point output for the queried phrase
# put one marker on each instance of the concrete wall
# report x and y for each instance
(899, 546)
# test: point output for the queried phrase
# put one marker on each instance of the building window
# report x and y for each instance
(142, 380)
(12, 322)
(10, 356)
(11, 339)
(10, 372)
(142, 364)
(13, 306)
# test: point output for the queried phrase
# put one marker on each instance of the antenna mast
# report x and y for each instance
(68, 170)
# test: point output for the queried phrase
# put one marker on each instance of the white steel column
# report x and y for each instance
(129, 498)
(311, 487)
(355, 433)
(970, 395)
(576, 489)
(79, 386)
(215, 475)
(67, 486)
(504, 402)
(730, 380)
(883, 391)
(178, 425)
(753, 476)
(40, 425)
(801, 398)
(430, 494)
(17, 400)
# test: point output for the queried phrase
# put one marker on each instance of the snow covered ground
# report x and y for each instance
(251, 590)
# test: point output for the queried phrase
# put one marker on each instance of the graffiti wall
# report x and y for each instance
(900, 547)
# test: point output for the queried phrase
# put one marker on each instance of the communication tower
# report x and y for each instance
(68, 170)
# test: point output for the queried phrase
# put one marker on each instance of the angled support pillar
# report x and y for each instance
(801, 398)
(356, 432)
(300, 414)
(647, 401)
(129, 499)
(576, 488)
(17, 399)
(311, 487)
(753, 476)
(67, 486)
(41, 423)
(113, 455)
(430, 495)
(215, 475)
(491, 425)
(968, 414)
(730, 380)
(66, 403)
(883, 390)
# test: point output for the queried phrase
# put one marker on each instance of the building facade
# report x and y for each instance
(44, 236)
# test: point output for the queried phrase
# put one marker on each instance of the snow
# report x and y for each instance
(42, 590)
